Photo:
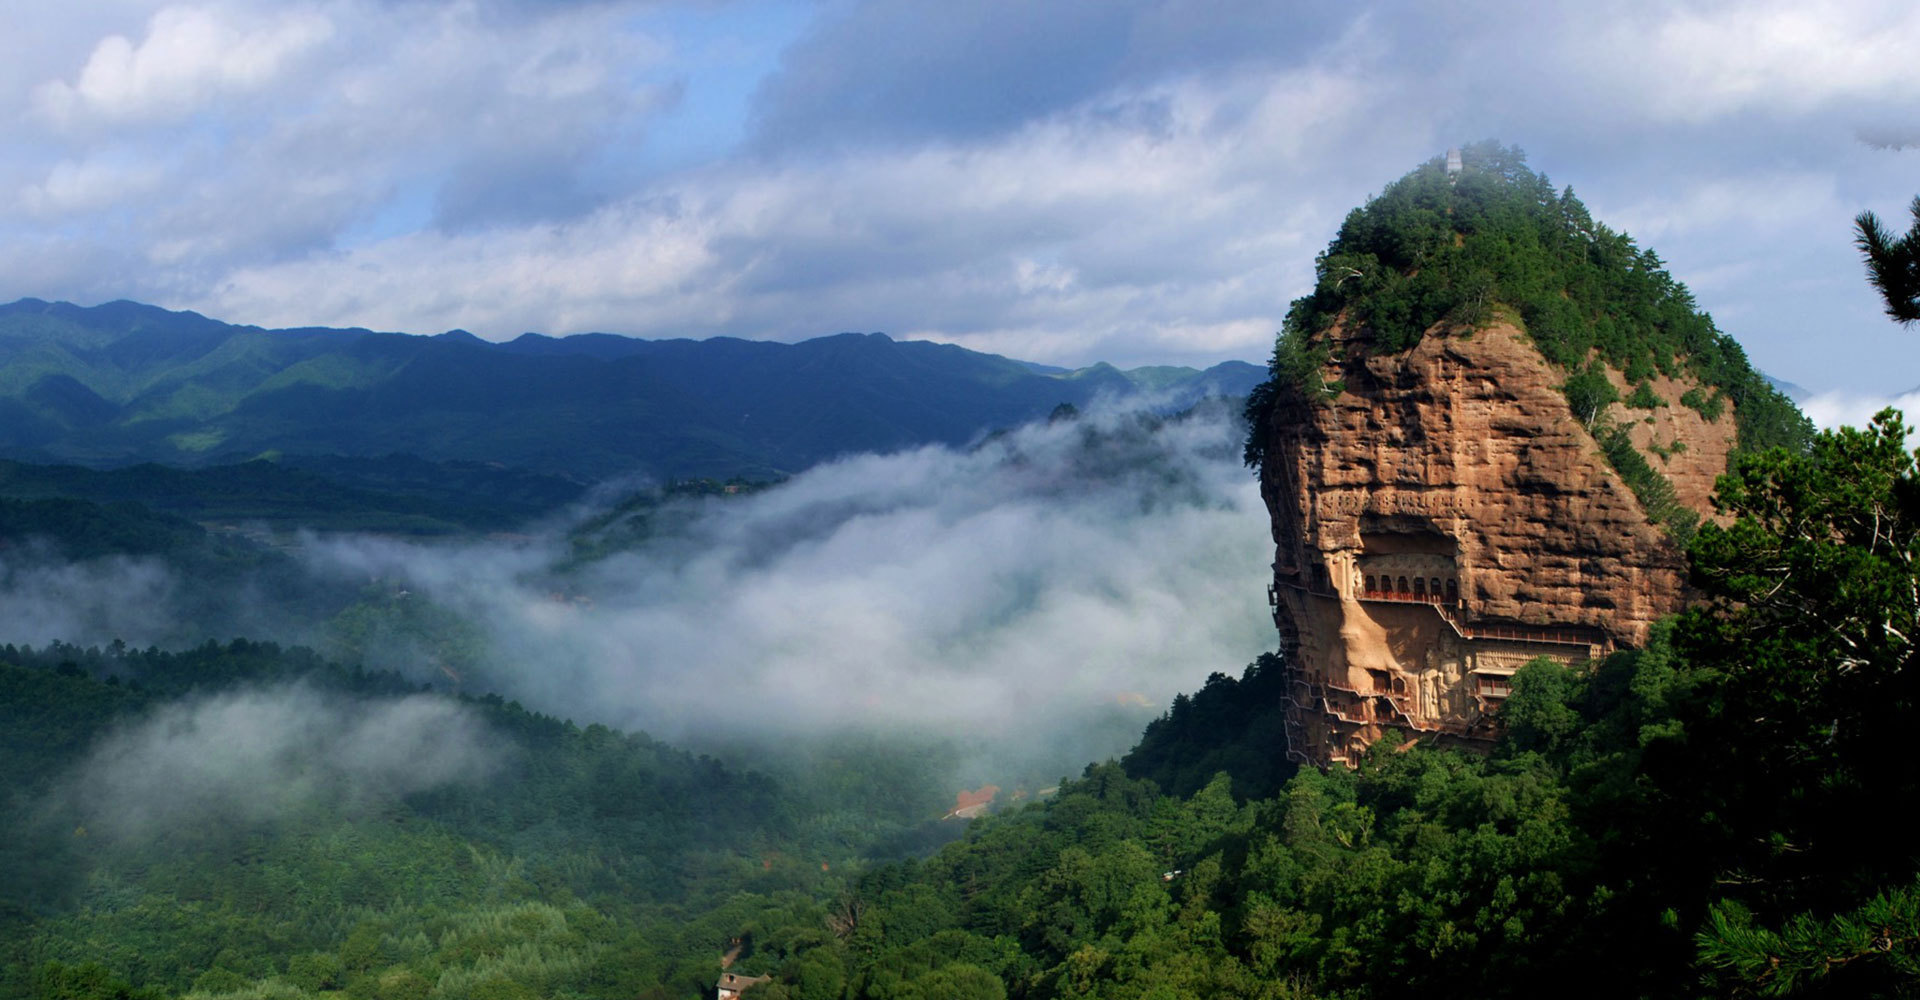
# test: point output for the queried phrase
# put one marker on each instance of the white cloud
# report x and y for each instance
(1829, 410)
(621, 267)
(1763, 203)
(45, 599)
(247, 133)
(1085, 230)
(1021, 588)
(1781, 56)
(190, 56)
(1135, 181)
(90, 185)
(256, 755)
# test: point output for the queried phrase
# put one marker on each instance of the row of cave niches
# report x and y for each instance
(1431, 590)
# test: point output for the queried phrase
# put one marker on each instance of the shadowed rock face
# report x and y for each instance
(1447, 518)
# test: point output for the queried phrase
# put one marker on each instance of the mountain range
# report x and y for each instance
(124, 383)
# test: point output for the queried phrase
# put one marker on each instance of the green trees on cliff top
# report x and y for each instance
(1433, 249)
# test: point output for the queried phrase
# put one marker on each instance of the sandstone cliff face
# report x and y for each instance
(1447, 518)
(1704, 445)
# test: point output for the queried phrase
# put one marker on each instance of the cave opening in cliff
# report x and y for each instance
(1420, 566)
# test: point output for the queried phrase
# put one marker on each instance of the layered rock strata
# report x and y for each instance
(1445, 519)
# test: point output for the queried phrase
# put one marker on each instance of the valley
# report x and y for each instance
(341, 664)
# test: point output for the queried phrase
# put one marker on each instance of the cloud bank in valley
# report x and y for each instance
(1829, 410)
(256, 755)
(45, 599)
(1046, 578)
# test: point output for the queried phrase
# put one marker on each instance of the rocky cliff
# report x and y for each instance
(1441, 512)
(1446, 518)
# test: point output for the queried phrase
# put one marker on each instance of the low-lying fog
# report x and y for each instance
(1038, 597)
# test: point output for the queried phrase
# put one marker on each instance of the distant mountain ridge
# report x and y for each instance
(124, 382)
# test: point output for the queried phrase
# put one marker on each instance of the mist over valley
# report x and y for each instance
(846, 649)
(1135, 500)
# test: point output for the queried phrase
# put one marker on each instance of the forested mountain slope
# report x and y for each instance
(125, 382)
(1707, 816)
(393, 493)
(203, 819)
(1712, 814)
(1702, 817)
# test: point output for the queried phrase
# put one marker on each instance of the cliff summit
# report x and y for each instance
(1486, 437)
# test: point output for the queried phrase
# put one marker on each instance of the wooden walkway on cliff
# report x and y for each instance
(1451, 613)
(1313, 695)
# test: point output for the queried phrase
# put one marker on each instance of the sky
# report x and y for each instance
(1135, 181)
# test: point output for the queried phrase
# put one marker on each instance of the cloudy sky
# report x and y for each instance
(1139, 181)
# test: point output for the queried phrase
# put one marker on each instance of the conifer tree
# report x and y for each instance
(1893, 263)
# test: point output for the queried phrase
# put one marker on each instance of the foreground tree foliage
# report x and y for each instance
(1707, 816)
(1713, 815)
(1893, 263)
(1810, 640)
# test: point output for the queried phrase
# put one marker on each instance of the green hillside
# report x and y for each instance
(572, 866)
(395, 493)
(125, 383)
(1714, 815)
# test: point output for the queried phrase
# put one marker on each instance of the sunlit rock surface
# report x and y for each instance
(1447, 518)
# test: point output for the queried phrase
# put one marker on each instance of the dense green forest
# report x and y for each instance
(1706, 816)
(1713, 815)
(580, 860)
(393, 493)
